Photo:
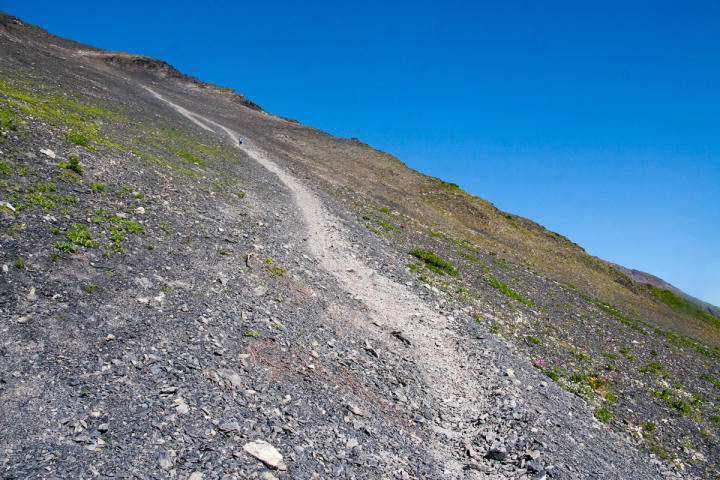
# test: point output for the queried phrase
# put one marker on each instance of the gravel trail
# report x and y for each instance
(484, 402)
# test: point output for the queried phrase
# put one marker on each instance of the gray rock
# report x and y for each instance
(266, 453)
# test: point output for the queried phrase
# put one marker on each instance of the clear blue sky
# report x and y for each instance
(599, 120)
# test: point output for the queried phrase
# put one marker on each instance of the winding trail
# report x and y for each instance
(463, 391)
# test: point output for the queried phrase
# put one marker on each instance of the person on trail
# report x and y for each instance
(240, 140)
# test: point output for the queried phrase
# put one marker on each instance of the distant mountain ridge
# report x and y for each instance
(649, 279)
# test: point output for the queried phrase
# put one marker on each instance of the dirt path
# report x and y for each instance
(475, 394)
(392, 305)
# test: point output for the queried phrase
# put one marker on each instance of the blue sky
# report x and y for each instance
(598, 120)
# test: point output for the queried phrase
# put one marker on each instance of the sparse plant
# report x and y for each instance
(79, 235)
(603, 414)
(72, 165)
(19, 263)
(77, 139)
(67, 247)
(509, 292)
(434, 262)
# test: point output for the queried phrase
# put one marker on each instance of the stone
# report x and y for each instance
(542, 475)
(232, 377)
(357, 410)
(229, 426)
(182, 408)
(48, 153)
(266, 453)
(165, 460)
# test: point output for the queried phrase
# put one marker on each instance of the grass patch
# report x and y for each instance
(501, 263)
(467, 256)
(434, 262)
(681, 304)
(77, 139)
(710, 379)
(385, 225)
(509, 292)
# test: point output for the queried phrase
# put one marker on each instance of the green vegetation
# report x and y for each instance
(681, 304)
(50, 104)
(501, 264)
(603, 414)
(67, 247)
(19, 263)
(533, 340)
(648, 426)
(653, 369)
(252, 333)
(79, 235)
(710, 379)
(469, 257)
(434, 262)
(509, 292)
(274, 270)
(672, 401)
(615, 313)
(73, 165)
(90, 288)
(449, 187)
(385, 225)
(77, 139)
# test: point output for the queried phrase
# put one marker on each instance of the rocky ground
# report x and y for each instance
(176, 307)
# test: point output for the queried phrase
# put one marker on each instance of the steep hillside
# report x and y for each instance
(304, 306)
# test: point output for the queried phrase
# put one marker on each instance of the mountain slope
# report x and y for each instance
(170, 298)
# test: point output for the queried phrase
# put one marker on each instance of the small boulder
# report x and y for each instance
(266, 453)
